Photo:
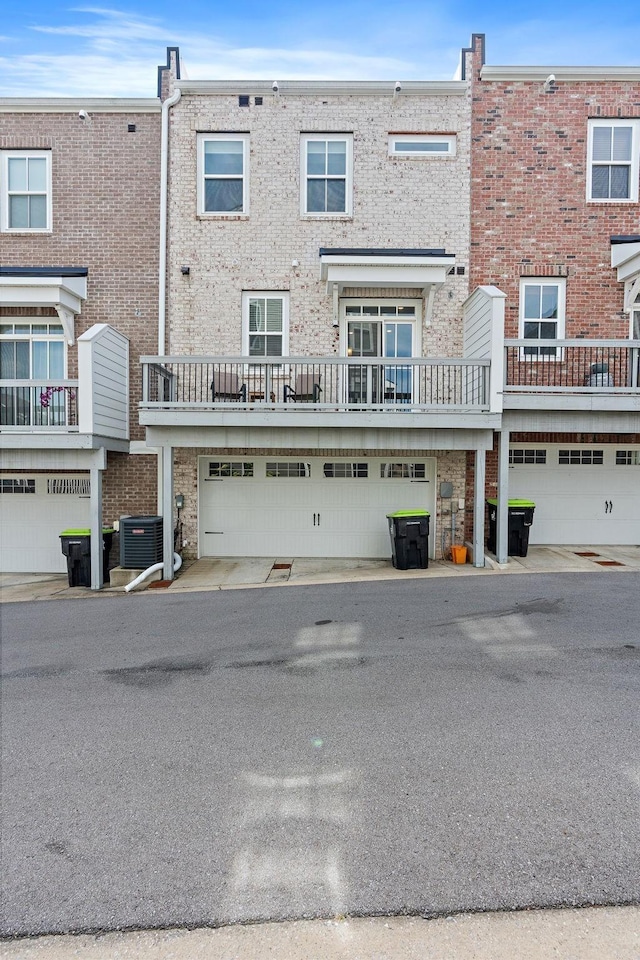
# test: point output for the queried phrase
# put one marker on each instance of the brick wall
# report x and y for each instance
(105, 217)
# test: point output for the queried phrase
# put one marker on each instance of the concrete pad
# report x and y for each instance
(591, 933)
(209, 573)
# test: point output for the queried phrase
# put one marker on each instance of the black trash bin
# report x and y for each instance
(520, 520)
(409, 530)
(76, 547)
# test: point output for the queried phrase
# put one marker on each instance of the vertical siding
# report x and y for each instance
(103, 374)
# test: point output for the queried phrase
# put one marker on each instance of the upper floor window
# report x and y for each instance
(542, 306)
(613, 160)
(327, 178)
(25, 181)
(417, 145)
(223, 173)
(265, 324)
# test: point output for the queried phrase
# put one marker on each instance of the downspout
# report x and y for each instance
(164, 190)
(177, 563)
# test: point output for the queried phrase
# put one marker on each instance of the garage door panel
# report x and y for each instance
(31, 523)
(305, 516)
(593, 503)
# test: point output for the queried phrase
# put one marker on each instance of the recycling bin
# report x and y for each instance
(520, 521)
(76, 547)
(409, 531)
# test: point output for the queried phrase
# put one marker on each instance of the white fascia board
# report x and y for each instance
(387, 275)
(338, 88)
(489, 72)
(28, 291)
(626, 258)
(75, 104)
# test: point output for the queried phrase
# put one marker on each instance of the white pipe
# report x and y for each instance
(164, 179)
(177, 563)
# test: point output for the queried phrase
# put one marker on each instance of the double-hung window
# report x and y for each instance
(542, 310)
(265, 325)
(25, 201)
(326, 181)
(223, 173)
(613, 160)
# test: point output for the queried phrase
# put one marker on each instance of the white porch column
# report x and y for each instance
(95, 511)
(167, 512)
(502, 513)
(478, 508)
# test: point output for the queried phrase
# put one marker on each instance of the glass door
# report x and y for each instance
(385, 331)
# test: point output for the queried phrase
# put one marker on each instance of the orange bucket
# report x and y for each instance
(459, 554)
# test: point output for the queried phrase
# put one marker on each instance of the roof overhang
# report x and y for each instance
(63, 288)
(365, 268)
(625, 258)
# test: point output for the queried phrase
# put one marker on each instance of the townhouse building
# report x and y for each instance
(79, 210)
(317, 372)
(555, 226)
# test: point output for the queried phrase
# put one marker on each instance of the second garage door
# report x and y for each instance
(307, 507)
(583, 494)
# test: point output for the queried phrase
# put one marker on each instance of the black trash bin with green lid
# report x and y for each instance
(76, 547)
(520, 521)
(409, 530)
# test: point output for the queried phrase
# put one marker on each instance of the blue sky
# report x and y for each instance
(66, 50)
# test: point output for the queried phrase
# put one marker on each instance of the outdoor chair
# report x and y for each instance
(307, 389)
(226, 386)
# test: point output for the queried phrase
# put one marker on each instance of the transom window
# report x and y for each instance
(517, 456)
(25, 201)
(223, 175)
(219, 468)
(346, 471)
(265, 324)
(627, 458)
(17, 486)
(326, 161)
(403, 471)
(288, 469)
(613, 160)
(422, 145)
(542, 305)
(580, 458)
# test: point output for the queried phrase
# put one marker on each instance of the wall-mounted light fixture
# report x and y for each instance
(185, 271)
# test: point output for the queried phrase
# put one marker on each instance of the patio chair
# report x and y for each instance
(226, 386)
(307, 389)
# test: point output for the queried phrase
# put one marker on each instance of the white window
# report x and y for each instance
(613, 160)
(223, 174)
(326, 181)
(542, 306)
(33, 352)
(25, 201)
(420, 145)
(265, 325)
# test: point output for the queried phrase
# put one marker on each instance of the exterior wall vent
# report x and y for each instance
(243, 101)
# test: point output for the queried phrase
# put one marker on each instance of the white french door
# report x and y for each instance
(385, 329)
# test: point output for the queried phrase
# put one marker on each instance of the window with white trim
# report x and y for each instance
(580, 458)
(34, 352)
(223, 173)
(417, 146)
(25, 185)
(613, 160)
(265, 324)
(326, 180)
(518, 456)
(542, 315)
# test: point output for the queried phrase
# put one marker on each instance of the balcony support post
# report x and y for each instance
(478, 508)
(167, 512)
(98, 464)
(502, 517)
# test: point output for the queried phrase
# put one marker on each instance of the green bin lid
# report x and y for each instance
(512, 503)
(83, 532)
(410, 513)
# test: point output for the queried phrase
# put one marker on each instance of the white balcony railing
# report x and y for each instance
(43, 405)
(294, 383)
(572, 366)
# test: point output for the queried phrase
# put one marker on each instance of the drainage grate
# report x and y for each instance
(585, 553)
(609, 563)
(281, 566)
(159, 584)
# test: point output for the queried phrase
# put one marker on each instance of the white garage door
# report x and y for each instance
(307, 507)
(584, 494)
(34, 510)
